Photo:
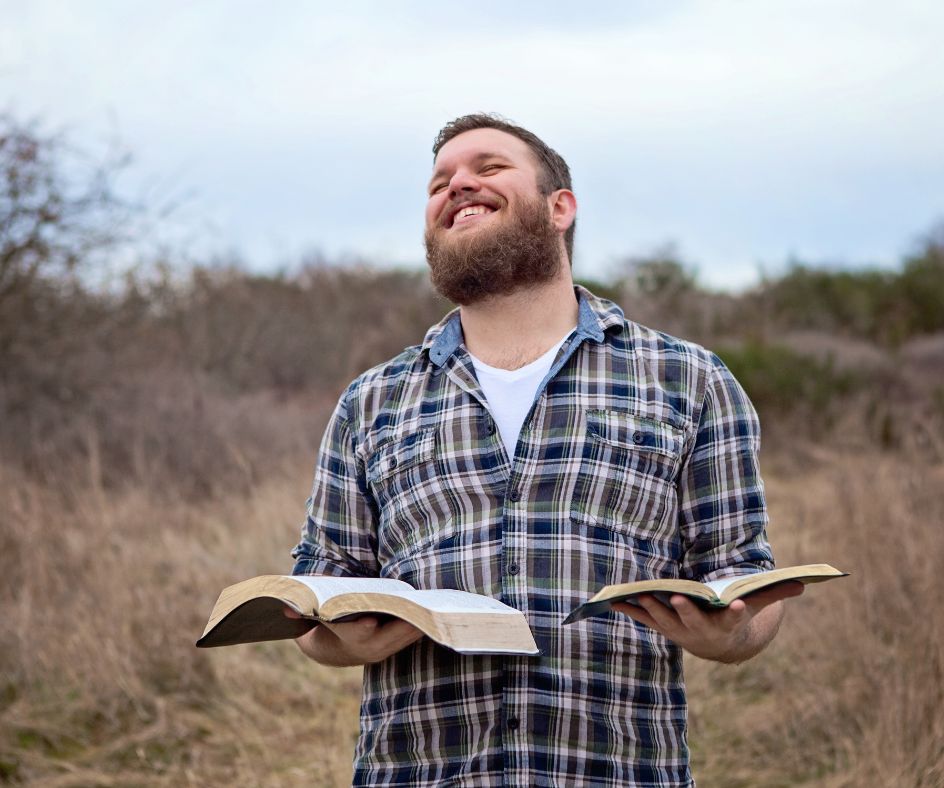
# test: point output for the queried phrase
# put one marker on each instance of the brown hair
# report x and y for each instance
(555, 174)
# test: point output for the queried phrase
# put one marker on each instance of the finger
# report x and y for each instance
(661, 613)
(666, 620)
(357, 631)
(367, 631)
(690, 615)
(636, 613)
(734, 616)
(388, 639)
(767, 596)
(399, 634)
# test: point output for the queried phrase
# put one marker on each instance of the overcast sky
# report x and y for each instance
(746, 132)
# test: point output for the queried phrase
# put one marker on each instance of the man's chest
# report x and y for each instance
(589, 496)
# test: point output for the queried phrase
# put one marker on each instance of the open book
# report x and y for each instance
(716, 593)
(252, 611)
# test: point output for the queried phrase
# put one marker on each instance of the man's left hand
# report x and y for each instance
(731, 634)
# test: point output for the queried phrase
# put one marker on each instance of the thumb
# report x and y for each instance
(356, 631)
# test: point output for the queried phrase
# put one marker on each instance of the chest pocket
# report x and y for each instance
(414, 504)
(627, 474)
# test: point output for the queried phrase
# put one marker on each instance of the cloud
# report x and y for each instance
(745, 131)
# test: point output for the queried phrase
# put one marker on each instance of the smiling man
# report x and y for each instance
(536, 446)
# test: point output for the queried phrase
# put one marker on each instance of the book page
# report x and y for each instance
(719, 585)
(808, 573)
(327, 587)
(449, 601)
(439, 600)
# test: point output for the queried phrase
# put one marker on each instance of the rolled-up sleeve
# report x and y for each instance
(339, 532)
(722, 509)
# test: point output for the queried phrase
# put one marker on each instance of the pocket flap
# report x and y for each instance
(397, 455)
(635, 432)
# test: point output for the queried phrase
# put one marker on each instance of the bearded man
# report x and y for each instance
(536, 446)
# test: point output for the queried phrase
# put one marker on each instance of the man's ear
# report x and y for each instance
(563, 205)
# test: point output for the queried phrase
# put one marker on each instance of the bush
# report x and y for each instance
(922, 286)
(779, 380)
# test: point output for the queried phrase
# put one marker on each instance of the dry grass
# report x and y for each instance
(851, 692)
(102, 599)
(103, 594)
(156, 442)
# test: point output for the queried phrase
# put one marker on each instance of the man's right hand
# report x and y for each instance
(357, 642)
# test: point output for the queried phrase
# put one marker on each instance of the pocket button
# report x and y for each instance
(639, 438)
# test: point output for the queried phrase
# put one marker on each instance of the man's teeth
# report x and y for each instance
(471, 210)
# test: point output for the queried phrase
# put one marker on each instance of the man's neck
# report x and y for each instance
(513, 330)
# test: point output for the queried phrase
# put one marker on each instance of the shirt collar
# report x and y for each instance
(595, 317)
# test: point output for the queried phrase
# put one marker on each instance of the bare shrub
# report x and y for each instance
(192, 384)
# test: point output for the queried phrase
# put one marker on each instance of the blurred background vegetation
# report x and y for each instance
(158, 427)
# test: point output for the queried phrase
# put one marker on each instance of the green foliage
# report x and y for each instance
(661, 277)
(830, 300)
(779, 380)
(922, 287)
(884, 306)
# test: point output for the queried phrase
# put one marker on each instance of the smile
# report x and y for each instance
(467, 213)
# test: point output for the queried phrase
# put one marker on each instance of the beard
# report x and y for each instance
(522, 251)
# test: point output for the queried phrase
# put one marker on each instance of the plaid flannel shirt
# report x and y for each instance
(637, 460)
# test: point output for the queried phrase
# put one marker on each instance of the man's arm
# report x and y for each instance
(722, 527)
(339, 538)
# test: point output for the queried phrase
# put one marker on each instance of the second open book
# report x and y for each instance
(252, 610)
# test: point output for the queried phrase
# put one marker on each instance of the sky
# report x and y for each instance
(746, 133)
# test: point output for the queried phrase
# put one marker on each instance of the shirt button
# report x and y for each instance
(513, 568)
(514, 495)
(513, 723)
(489, 426)
(638, 438)
(393, 463)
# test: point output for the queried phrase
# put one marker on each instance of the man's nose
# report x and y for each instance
(463, 181)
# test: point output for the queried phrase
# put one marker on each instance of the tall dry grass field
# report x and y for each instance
(103, 595)
(851, 692)
(102, 599)
(156, 443)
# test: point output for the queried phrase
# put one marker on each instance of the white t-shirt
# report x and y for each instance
(510, 392)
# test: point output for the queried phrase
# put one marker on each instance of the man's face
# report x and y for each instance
(488, 227)
(475, 176)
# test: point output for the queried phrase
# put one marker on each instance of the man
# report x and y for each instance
(536, 446)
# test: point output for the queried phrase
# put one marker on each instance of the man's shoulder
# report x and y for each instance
(413, 362)
(659, 344)
(410, 360)
(643, 340)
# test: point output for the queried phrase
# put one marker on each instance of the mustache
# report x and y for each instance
(453, 206)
